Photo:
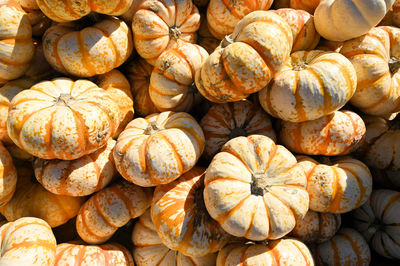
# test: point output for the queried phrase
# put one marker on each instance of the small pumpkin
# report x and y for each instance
(205, 38)
(109, 209)
(8, 176)
(159, 148)
(339, 133)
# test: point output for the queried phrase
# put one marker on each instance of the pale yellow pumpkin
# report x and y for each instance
(8, 176)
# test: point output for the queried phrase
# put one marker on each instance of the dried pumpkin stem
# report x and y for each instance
(394, 65)
(64, 99)
(151, 128)
(174, 33)
(226, 41)
(259, 185)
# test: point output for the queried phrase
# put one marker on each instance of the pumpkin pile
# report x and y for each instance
(199, 132)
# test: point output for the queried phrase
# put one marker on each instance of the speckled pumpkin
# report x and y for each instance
(379, 222)
(27, 241)
(159, 148)
(246, 60)
(148, 249)
(16, 45)
(311, 85)
(109, 209)
(307, 5)
(230, 120)
(8, 176)
(347, 247)
(316, 227)
(278, 252)
(79, 177)
(172, 85)
(90, 51)
(255, 188)
(82, 118)
(205, 38)
(63, 11)
(336, 134)
(111, 254)
(158, 24)
(338, 186)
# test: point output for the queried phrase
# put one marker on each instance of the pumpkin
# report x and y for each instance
(230, 120)
(128, 15)
(117, 85)
(278, 252)
(375, 57)
(83, 117)
(8, 176)
(222, 16)
(64, 11)
(158, 24)
(172, 85)
(109, 209)
(39, 22)
(28, 4)
(338, 186)
(148, 249)
(347, 247)
(316, 227)
(19, 154)
(378, 220)
(138, 72)
(341, 20)
(159, 148)
(255, 189)
(336, 134)
(205, 38)
(16, 45)
(305, 37)
(27, 241)
(79, 254)
(312, 85)
(246, 60)
(31, 199)
(39, 69)
(181, 219)
(307, 5)
(90, 51)
(79, 177)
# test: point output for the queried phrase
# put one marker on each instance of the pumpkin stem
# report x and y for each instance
(151, 128)
(394, 64)
(174, 33)
(300, 66)
(226, 41)
(259, 184)
(238, 132)
(64, 99)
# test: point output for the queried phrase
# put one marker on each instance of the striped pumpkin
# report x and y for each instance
(8, 176)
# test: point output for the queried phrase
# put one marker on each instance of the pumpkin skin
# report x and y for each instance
(83, 113)
(336, 187)
(16, 45)
(307, 5)
(316, 227)
(341, 20)
(159, 148)
(230, 120)
(158, 24)
(109, 209)
(378, 220)
(90, 51)
(255, 189)
(27, 241)
(172, 79)
(347, 247)
(79, 177)
(312, 85)
(181, 219)
(305, 37)
(8, 176)
(28, 4)
(246, 60)
(61, 11)
(336, 134)
(80, 254)
(278, 252)
(205, 38)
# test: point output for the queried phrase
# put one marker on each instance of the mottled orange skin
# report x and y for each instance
(339, 133)
(78, 254)
(205, 38)
(63, 11)
(109, 209)
(278, 252)
(27, 241)
(158, 24)
(307, 5)
(90, 51)
(246, 60)
(8, 176)
(347, 247)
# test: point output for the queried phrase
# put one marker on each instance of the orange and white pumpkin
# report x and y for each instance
(8, 176)
(159, 148)
(230, 120)
(172, 85)
(255, 188)
(90, 51)
(158, 24)
(336, 134)
(109, 209)
(27, 241)
(82, 118)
